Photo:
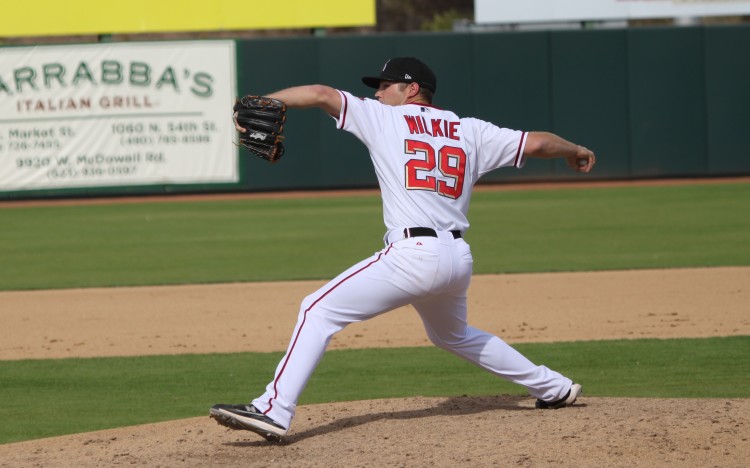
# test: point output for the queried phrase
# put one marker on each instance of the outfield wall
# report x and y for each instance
(668, 102)
(651, 102)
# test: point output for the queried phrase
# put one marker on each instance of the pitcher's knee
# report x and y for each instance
(308, 302)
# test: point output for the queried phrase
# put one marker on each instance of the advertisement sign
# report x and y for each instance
(117, 114)
(75, 17)
(539, 11)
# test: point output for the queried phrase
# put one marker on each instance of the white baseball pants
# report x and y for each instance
(432, 274)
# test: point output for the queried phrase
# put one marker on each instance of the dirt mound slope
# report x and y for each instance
(428, 432)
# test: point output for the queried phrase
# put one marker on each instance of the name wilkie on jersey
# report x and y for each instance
(436, 127)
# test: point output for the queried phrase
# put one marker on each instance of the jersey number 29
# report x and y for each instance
(450, 161)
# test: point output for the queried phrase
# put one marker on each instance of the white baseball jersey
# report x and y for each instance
(428, 159)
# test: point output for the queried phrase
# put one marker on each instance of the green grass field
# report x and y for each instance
(316, 238)
(78, 395)
(252, 240)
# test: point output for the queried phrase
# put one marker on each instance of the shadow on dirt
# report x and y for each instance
(462, 405)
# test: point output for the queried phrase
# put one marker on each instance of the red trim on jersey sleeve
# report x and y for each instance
(518, 162)
(344, 108)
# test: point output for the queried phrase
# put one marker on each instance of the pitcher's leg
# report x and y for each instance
(364, 291)
(444, 319)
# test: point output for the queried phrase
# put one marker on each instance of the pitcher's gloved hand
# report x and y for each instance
(262, 119)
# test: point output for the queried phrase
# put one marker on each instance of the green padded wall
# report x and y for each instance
(667, 102)
(511, 75)
(728, 99)
(590, 97)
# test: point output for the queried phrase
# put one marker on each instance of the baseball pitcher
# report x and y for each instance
(427, 161)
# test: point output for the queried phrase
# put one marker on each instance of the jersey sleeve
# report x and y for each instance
(496, 146)
(364, 118)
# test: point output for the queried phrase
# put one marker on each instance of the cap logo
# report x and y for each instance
(407, 76)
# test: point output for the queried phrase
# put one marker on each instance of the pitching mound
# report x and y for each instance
(464, 431)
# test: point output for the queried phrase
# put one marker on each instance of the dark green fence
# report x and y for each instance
(652, 102)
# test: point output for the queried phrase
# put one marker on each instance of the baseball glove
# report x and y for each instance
(263, 120)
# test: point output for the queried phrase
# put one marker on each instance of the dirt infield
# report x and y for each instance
(519, 308)
(459, 431)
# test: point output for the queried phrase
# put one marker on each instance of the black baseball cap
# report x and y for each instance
(404, 70)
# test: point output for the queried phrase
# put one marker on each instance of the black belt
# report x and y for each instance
(426, 232)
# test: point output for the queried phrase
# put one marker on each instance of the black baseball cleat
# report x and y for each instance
(567, 400)
(246, 417)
